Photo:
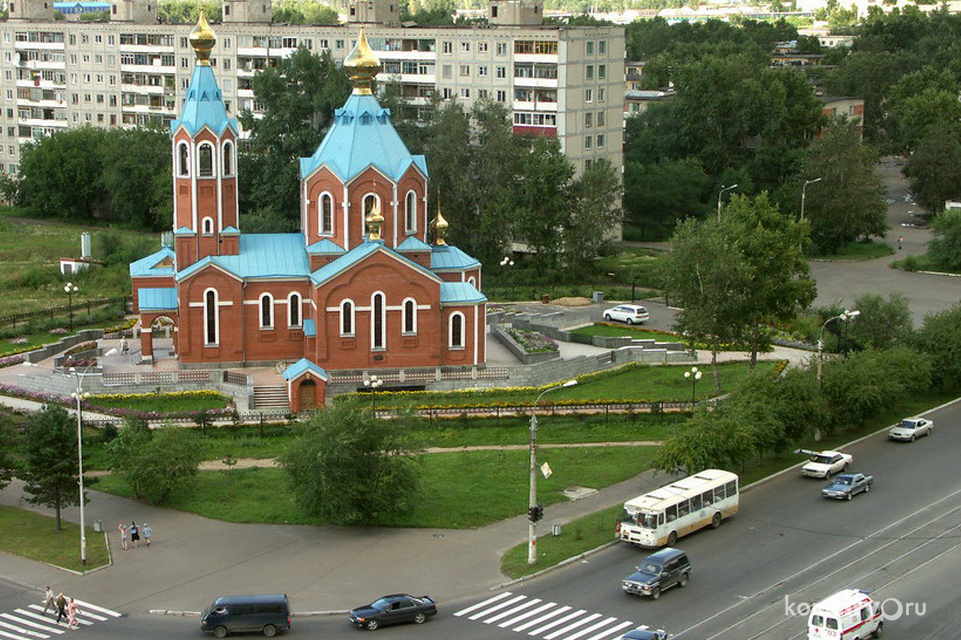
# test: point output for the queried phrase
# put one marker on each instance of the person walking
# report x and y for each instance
(123, 536)
(61, 607)
(900, 242)
(49, 600)
(123, 346)
(147, 533)
(134, 535)
(72, 611)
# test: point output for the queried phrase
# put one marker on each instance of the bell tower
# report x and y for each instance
(204, 143)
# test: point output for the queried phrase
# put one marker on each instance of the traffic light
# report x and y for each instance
(535, 513)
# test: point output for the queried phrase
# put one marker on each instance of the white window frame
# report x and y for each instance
(405, 316)
(229, 162)
(213, 160)
(374, 335)
(352, 315)
(321, 228)
(410, 212)
(216, 317)
(207, 226)
(269, 308)
(294, 305)
(183, 158)
(460, 345)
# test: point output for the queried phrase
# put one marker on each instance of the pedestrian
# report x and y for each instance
(134, 535)
(147, 533)
(49, 600)
(72, 611)
(123, 536)
(900, 242)
(123, 346)
(61, 607)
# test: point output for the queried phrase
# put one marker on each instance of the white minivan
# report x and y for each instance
(847, 615)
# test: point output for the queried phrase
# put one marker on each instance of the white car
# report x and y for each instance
(629, 313)
(824, 464)
(909, 429)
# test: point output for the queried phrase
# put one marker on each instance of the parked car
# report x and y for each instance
(629, 313)
(393, 609)
(847, 485)
(824, 464)
(645, 633)
(659, 572)
(910, 429)
(266, 614)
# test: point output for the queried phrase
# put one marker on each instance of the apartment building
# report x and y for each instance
(563, 82)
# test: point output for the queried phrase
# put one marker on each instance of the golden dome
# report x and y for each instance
(202, 39)
(374, 222)
(439, 225)
(362, 65)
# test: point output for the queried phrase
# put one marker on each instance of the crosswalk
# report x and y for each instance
(30, 623)
(547, 620)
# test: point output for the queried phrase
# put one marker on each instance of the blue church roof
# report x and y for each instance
(325, 247)
(362, 136)
(448, 258)
(359, 254)
(204, 105)
(413, 243)
(261, 255)
(157, 299)
(149, 266)
(302, 366)
(460, 293)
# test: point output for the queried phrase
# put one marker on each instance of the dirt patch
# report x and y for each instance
(574, 301)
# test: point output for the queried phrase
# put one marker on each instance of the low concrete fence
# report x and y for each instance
(502, 333)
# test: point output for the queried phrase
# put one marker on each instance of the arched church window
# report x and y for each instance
(410, 316)
(293, 310)
(410, 211)
(346, 318)
(184, 159)
(377, 320)
(457, 330)
(208, 227)
(370, 201)
(205, 160)
(266, 311)
(228, 159)
(211, 319)
(326, 214)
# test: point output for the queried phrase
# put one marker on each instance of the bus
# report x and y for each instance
(660, 517)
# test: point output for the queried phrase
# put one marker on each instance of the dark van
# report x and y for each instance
(265, 614)
(659, 572)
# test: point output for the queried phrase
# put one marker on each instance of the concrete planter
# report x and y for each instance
(518, 351)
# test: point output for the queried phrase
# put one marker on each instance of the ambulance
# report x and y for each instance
(847, 615)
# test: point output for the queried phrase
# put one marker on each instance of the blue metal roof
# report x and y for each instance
(157, 299)
(231, 231)
(183, 231)
(448, 258)
(325, 246)
(310, 328)
(413, 243)
(261, 255)
(301, 367)
(359, 254)
(204, 105)
(460, 293)
(147, 267)
(362, 136)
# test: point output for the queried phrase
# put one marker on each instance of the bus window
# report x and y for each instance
(660, 518)
(647, 520)
(719, 493)
(707, 498)
(831, 623)
(671, 513)
(695, 503)
(731, 488)
(683, 508)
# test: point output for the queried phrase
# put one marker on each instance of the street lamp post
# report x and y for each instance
(70, 289)
(532, 498)
(803, 192)
(719, 194)
(507, 262)
(693, 375)
(373, 383)
(843, 317)
(78, 395)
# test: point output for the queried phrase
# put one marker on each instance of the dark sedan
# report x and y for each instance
(645, 633)
(846, 485)
(393, 609)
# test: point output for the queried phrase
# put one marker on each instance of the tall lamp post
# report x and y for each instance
(693, 375)
(843, 317)
(373, 383)
(719, 194)
(507, 263)
(70, 289)
(78, 395)
(533, 511)
(803, 192)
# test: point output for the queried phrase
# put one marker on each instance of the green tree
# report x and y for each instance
(945, 248)
(137, 178)
(934, 169)
(154, 462)
(304, 12)
(348, 467)
(593, 212)
(659, 194)
(187, 11)
(542, 207)
(299, 97)
(62, 175)
(883, 323)
(50, 465)
(922, 99)
(8, 444)
(848, 204)
(940, 339)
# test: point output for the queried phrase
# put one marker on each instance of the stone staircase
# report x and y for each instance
(272, 396)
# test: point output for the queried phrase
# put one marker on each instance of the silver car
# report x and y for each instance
(629, 313)
(910, 429)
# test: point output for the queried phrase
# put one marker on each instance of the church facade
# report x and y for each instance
(366, 284)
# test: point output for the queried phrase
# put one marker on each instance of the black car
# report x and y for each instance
(847, 485)
(659, 572)
(645, 633)
(393, 609)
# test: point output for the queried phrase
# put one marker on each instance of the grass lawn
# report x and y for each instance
(161, 402)
(860, 251)
(625, 331)
(472, 500)
(34, 536)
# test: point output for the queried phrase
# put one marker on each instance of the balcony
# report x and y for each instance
(544, 83)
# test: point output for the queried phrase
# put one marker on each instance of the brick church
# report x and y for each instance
(366, 284)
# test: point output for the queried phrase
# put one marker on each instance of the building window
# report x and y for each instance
(481, 47)
(465, 47)
(211, 319)
(602, 47)
(602, 72)
(410, 317)
(600, 95)
(588, 142)
(446, 93)
(588, 95)
(208, 226)
(456, 340)
(377, 321)
(266, 311)
(205, 160)
(411, 211)
(600, 140)
(590, 72)
(502, 96)
(464, 70)
(600, 118)
(370, 202)
(184, 159)
(228, 159)
(465, 93)
(346, 318)
(482, 71)
(502, 48)
(501, 72)
(293, 310)
(590, 48)
(472, 282)
(326, 214)
(447, 47)
(446, 71)
(588, 120)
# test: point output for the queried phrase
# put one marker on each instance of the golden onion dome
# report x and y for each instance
(202, 39)
(362, 65)
(439, 225)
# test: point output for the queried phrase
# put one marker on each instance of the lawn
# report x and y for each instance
(161, 402)
(34, 536)
(859, 251)
(457, 491)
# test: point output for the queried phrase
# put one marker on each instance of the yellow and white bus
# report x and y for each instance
(660, 517)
